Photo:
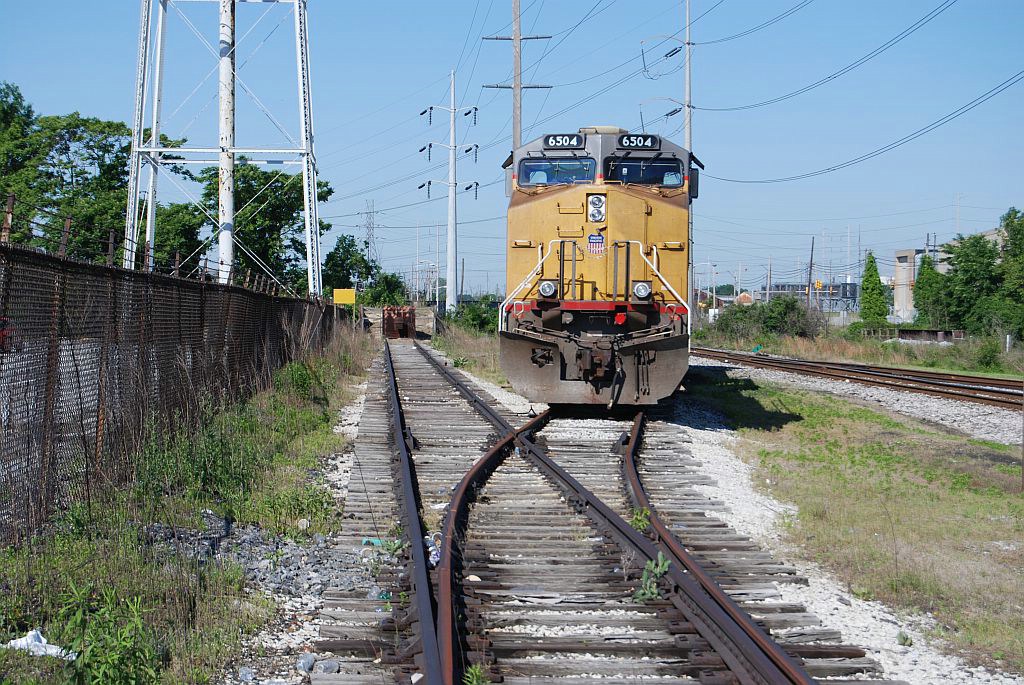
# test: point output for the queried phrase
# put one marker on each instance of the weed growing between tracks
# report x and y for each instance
(915, 518)
(138, 603)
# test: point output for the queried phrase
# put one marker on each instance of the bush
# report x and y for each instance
(109, 636)
(781, 316)
(988, 354)
(479, 316)
(855, 331)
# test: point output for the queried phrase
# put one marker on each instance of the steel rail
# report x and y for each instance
(744, 657)
(420, 574)
(977, 389)
(458, 512)
(677, 553)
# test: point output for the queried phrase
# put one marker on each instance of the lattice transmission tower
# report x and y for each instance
(148, 155)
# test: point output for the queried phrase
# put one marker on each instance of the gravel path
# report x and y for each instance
(977, 420)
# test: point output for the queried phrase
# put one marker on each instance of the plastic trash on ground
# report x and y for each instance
(34, 643)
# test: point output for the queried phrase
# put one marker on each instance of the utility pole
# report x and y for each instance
(517, 86)
(848, 278)
(810, 271)
(451, 262)
(226, 171)
(956, 203)
(689, 106)
(369, 225)
(688, 121)
(768, 292)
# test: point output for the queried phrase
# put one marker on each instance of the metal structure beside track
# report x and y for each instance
(998, 392)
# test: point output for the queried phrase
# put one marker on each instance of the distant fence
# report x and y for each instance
(92, 356)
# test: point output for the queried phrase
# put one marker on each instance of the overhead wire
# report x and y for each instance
(792, 10)
(955, 114)
(913, 28)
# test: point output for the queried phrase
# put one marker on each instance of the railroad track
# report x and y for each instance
(998, 392)
(538, 565)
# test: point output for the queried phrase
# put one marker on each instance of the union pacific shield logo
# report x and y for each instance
(595, 244)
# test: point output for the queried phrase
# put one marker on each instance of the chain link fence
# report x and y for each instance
(92, 357)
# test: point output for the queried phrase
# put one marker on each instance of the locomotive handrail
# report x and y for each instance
(522, 284)
(661, 278)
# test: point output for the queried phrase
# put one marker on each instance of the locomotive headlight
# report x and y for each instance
(641, 289)
(548, 288)
(596, 209)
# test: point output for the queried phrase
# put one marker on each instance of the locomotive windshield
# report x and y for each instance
(652, 172)
(549, 171)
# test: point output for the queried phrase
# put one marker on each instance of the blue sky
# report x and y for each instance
(376, 65)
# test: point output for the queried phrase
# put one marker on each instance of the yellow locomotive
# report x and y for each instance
(597, 267)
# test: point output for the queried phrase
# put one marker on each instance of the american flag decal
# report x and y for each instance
(595, 244)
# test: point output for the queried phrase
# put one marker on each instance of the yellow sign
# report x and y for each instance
(344, 296)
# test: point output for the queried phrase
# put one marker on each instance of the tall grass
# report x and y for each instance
(900, 513)
(476, 351)
(974, 355)
(95, 581)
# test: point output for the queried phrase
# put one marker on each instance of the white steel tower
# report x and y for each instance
(149, 154)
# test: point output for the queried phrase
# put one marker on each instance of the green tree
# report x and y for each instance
(387, 288)
(346, 264)
(973, 277)
(481, 315)
(1012, 268)
(268, 222)
(18, 165)
(873, 307)
(930, 295)
(178, 226)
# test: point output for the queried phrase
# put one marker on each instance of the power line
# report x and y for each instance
(1016, 78)
(760, 26)
(845, 70)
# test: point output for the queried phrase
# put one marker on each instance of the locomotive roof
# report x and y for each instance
(598, 142)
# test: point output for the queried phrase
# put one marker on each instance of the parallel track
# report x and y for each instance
(998, 392)
(715, 640)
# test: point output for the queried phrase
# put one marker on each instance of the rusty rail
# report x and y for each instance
(420, 574)
(745, 656)
(999, 392)
(678, 555)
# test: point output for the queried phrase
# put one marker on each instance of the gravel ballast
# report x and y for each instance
(864, 623)
(868, 624)
(976, 420)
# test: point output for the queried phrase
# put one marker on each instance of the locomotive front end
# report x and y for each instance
(597, 268)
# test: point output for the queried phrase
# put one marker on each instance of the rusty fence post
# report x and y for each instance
(63, 250)
(47, 477)
(5, 233)
(110, 248)
(108, 335)
(177, 263)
